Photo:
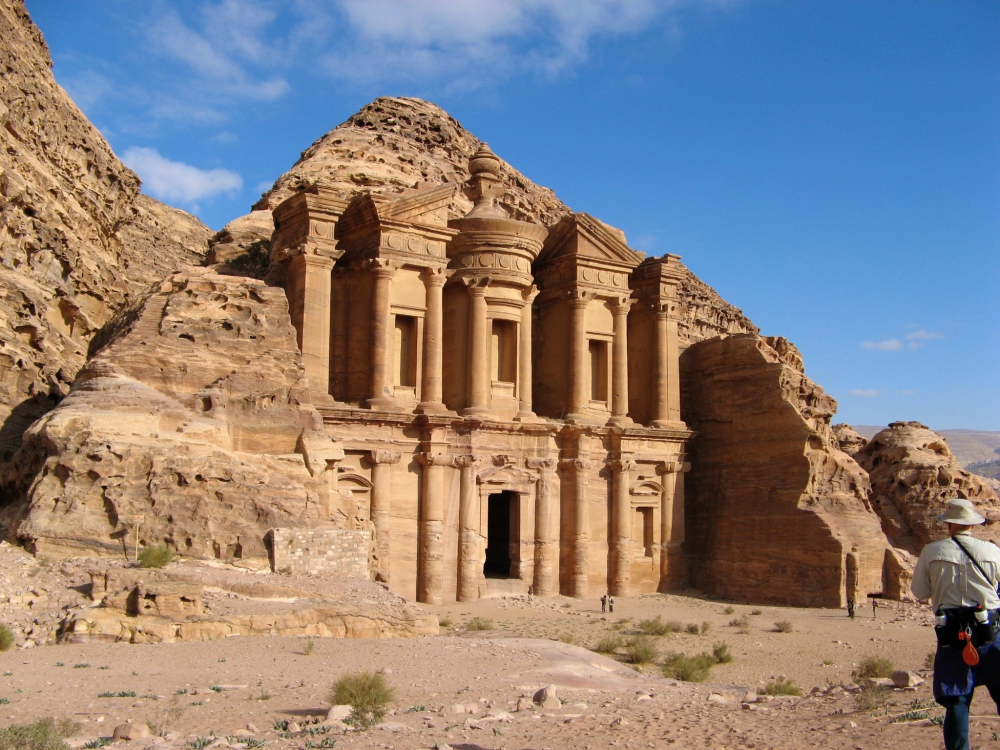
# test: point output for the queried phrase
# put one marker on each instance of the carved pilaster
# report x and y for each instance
(545, 582)
(470, 567)
(431, 548)
(381, 510)
(621, 537)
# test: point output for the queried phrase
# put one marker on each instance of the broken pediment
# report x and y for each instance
(588, 240)
(368, 213)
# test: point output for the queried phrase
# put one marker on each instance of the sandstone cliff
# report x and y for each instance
(848, 438)
(186, 419)
(397, 144)
(76, 238)
(775, 511)
(913, 476)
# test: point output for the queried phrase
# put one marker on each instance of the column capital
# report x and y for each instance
(620, 305)
(580, 297)
(580, 464)
(313, 261)
(382, 267)
(476, 285)
(540, 464)
(529, 294)
(435, 275)
(428, 458)
(380, 456)
(465, 461)
(621, 465)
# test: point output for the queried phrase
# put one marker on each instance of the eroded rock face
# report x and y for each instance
(913, 476)
(76, 238)
(776, 512)
(849, 440)
(186, 418)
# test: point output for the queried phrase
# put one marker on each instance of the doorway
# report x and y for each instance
(501, 532)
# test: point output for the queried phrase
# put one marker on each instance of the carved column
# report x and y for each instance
(381, 387)
(661, 402)
(673, 372)
(430, 389)
(545, 582)
(312, 280)
(524, 376)
(479, 350)
(430, 566)
(672, 524)
(619, 363)
(621, 518)
(381, 507)
(579, 370)
(469, 566)
(580, 542)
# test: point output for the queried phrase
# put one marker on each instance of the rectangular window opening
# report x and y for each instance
(598, 370)
(503, 360)
(406, 351)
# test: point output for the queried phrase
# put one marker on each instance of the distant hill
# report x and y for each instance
(969, 446)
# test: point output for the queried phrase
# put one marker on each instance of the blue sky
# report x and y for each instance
(832, 168)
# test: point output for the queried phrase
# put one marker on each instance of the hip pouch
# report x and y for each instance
(963, 620)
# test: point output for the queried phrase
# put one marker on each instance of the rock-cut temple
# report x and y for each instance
(507, 396)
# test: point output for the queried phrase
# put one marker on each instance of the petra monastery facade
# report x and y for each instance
(507, 396)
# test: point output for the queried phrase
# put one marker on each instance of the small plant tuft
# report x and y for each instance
(367, 693)
(567, 638)
(655, 627)
(740, 622)
(688, 668)
(783, 626)
(309, 646)
(641, 650)
(756, 612)
(782, 686)
(873, 666)
(83, 665)
(479, 623)
(929, 660)
(692, 628)
(255, 261)
(119, 694)
(729, 610)
(871, 697)
(720, 652)
(705, 626)
(155, 556)
(444, 622)
(6, 638)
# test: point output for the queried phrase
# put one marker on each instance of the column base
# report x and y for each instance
(431, 407)
(526, 416)
(621, 421)
(383, 404)
(480, 412)
(668, 424)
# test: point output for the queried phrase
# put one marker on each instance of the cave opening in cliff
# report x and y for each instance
(501, 530)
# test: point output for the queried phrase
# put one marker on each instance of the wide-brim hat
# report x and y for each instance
(962, 513)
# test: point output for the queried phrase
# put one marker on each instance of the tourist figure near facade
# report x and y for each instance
(850, 608)
(874, 609)
(611, 604)
(604, 604)
(959, 575)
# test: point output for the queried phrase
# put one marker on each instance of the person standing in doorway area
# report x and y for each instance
(604, 604)
(850, 608)
(874, 608)
(959, 575)
(611, 604)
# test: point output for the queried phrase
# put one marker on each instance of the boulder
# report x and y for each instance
(547, 698)
(130, 731)
(849, 440)
(339, 712)
(913, 475)
(775, 511)
(901, 678)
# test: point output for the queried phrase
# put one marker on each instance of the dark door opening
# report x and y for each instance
(501, 514)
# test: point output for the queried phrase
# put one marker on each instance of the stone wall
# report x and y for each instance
(345, 552)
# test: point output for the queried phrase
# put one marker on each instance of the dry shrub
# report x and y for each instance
(729, 610)
(783, 626)
(740, 622)
(641, 650)
(692, 628)
(688, 668)
(871, 697)
(567, 638)
(873, 666)
(6, 638)
(720, 652)
(705, 626)
(609, 643)
(479, 623)
(656, 627)
(782, 686)
(44, 734)
(155, 556)
(367, 693)
(444, 622)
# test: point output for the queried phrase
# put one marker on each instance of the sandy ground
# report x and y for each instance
(263, 681)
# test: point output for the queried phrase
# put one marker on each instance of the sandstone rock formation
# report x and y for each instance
(913, 476)
(186, 421)
(849, 440)
(776, 512)
(76, 238)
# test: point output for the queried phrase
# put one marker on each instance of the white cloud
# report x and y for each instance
(864, 392)
(888, 345)
(87, 88)
(179, 182)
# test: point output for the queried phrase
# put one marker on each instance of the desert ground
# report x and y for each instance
(461, 688)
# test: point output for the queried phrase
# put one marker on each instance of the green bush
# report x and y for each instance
(641, 650)
(784, 626)
(874, 666)
(871, 697)
(705, 626)
(740, 622)
(692, 628)
(367, 693)
(609, 643)
(720, 652)
(655, 627)
(156, 556)
(255, 262)
(6, 638)
(688, 668)
(44, 734)
(479, 623)
(782, 686)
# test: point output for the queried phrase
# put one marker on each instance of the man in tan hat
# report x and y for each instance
(959, 575)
